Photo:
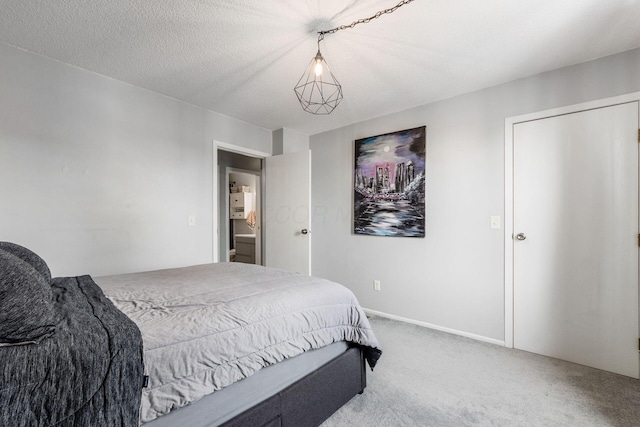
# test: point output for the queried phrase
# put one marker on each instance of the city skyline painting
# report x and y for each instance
(389, 184)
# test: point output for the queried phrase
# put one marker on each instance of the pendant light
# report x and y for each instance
(318, 90)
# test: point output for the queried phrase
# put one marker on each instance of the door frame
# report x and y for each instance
(509, 124)
(219, 145)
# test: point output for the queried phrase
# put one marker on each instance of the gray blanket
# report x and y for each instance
(88, 373)
(205, 327)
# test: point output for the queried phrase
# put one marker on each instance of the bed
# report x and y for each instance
(217, 344)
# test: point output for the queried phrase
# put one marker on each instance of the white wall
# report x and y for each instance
(98, 176)
(294, 141)
(453, 278)
(289, 141)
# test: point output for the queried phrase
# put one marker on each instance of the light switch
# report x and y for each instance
(192, 221)
(495, 223)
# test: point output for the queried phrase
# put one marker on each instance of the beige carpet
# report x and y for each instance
(431, 378)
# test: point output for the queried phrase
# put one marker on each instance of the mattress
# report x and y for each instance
(206, 327)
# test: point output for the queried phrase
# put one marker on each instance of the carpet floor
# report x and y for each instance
(431, 378)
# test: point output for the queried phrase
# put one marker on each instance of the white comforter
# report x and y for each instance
(207, 326)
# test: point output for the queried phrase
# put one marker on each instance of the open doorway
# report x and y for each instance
(243, 232)
(239, 207)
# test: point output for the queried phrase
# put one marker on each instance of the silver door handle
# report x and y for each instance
(304, 231)
(521, 236)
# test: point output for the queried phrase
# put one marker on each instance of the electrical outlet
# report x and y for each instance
(376, 285)
(191, 222)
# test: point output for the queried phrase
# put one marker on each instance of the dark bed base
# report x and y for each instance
(312, 399)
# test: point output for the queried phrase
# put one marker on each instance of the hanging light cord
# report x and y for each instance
(319, 95)
(362, 21)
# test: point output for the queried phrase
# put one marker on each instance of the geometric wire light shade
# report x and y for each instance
(318, 89)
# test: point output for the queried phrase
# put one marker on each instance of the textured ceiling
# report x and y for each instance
(242, 58)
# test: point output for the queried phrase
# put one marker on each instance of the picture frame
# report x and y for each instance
(389, 184)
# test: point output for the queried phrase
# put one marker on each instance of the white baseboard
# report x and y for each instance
(436, 327)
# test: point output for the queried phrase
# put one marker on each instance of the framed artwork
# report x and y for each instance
(389, 184)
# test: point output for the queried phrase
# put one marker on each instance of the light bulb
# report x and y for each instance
(318, 68)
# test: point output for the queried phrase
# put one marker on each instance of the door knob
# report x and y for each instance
(304, 231)
(521, 236)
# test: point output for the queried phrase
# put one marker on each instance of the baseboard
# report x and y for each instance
(435, 327)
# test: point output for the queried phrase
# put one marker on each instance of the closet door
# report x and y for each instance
(575, 211)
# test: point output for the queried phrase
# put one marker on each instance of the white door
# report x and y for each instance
(286, 217)
(575, 225)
